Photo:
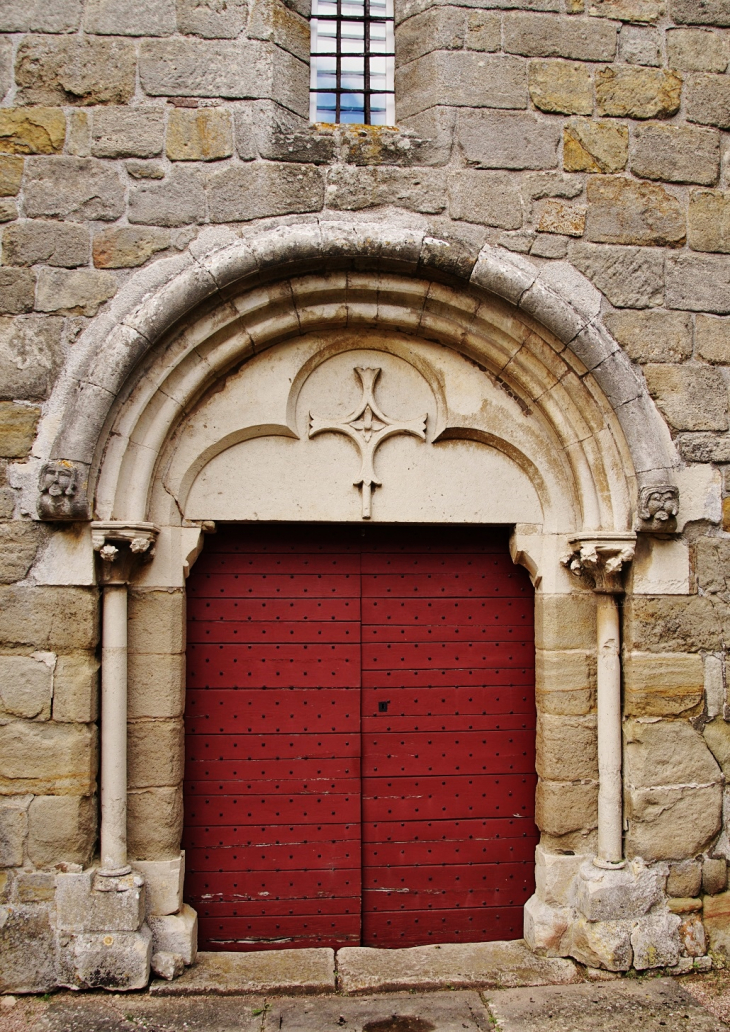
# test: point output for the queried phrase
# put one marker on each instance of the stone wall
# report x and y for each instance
(592, 131)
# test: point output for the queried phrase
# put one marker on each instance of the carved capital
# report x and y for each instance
(62, 491)
(658, 508)
(121, 547)
(599, 560)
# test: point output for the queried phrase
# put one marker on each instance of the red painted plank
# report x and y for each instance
(466, 752)
(497, 851)
(484, 924)
(411, 633)
(245, 835)
(490, 829)
(473, 677)
(466, 702)
(273, 609)
(472, 584)
(432, 612)
(452, 565)
(312, 856)
(252, 747)
(294, 768)
(278, 632)
(286, 711)
(217, 809)
(445, 655)
(485, 796)
(273, 790)
(279, 907)
(264, 885)
(285, 563)
(505, 722)
(275, 666)
(275, 585)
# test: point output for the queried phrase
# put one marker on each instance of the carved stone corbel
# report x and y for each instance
(658, 508)
(121, 547)
(599, 560)
(62, 491)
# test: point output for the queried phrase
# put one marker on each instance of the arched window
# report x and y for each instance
(352, 62)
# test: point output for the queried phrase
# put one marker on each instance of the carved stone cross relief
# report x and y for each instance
(368, 427)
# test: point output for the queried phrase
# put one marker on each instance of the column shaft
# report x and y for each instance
(610, 808)
(114, 731)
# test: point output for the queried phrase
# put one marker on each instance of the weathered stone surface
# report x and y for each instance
(637, 92)
(154, 823)
(664, 685)
(19, 542)
(13, 829)
(176, 201)
(667, 752)
(555, 216)
(685, 879)
(544, 35)
(163, 884)
(630, 277)
(714, 876)
(692, 935)
(75, 688)
(61, 828)
(708, 220)
(602, 944)
(145, 169)
(156, 685)
(11, 175)
(127, 132)
(44, 758)
(546, 928)
(17, 291)
(176, 933)
(708, 100)
(676, 624)
(277, 23)
(712, 339)
(156, 753)
(504, 139)
(77, 292)
(238, 194)
(75, 70)
(700, 12)
(309, 970)
(6, 67)
(353, 189)
(698, 283)
(672, 823)
(652, 336)
(712, 556)
(47, 617)
(205, 134)
(211, 20)
(30, 355)
(565, 621)
(555, 874)
(75, 188)
(28, 949)
(26, 685)
(676, 154)
(461, 79)
(594, 146)
(565, 87)
(133, 18)
(119, 961)
(621, 211)
(8, 210)
(716, 917)
(697, 50)
(641, 46)
(566, 748)
(440, 28)
(631, 892)
(691, 397)
(167, 965)
(628, 10)
(35, 16)
(32, 130)
(280, 135)
(562, 807)
(717, 736)
(17, 428)
(490, 198)
(64, 244)
(655, 941)
(565, 681)
(128, 246)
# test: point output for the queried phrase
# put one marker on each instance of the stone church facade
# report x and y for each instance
(522, 290)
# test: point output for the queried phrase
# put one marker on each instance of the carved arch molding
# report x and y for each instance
(385, 373)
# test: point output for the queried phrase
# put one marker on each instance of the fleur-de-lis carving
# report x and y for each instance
(368, 427)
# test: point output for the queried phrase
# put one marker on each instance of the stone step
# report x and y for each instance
(271, 971)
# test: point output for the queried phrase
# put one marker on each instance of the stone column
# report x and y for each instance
(120, 547)
(599, 559)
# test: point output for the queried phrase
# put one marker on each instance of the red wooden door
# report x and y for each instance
(311, 647)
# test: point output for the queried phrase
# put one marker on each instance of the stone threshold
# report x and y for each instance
(362, 969)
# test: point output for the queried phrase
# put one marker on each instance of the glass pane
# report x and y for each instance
(353, 10)
(353, 30)
(325, 8)
(325, 108)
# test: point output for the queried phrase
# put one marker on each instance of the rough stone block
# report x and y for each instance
(13, 829)
(44, 758)
(489, 198)
(717, 736)
(628, 10)
(154, 823)
(280, 135)
(103, 961)
(75, 688)
(700, 12)
(8, 210)
(594, 146)
(156, 621)
(716, 916)
(440, 28)
(64, 244)
(11, 175)
(32, 130)
(565, 681)
(711, 566)
(22, 16)
(667, 752)
(77, 292)
(565, 622)
(177, 201)
(26, 685)
(633, 92)
(276, 22)
(545, 35)
(692, 937)
(77, 188)
(562, 807)
(708, 100)
(17, 429)
(564, 87)
(698, 283)
(652, 336)
(47, 617)
(212, 20)
(176, 933)
(641, 46)
(546, 928)
(61, 828)
(555, 216)
(163, 884)
(630, 277)
(156, 753)
(239, 194)
(655, 941)
(205, 134)
(30, 355)
(566, 748)
(708, 221)
(602, 944)
(86, 902)
(503, 139)
(712, 339)
(714, 876)
(685, 879)
(671, 823)
(676, 154)
(662, 685)
(17, 291)
(126, 247)
(156, 685)
(307, 970)
(19, 543)
(353, 189)
(167, 965)
(28, 949)
(145, 169)
(621, 211)
(697, 50)
(630, 892)
(690, 397)
(714, 686)
(461, 79)
(133, 18)
(35, 887)
(554, 875)
(75, 70)
(119, 132)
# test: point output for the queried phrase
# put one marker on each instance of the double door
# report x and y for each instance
(360, 737)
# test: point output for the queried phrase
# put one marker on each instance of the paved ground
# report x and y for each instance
(695, 1004)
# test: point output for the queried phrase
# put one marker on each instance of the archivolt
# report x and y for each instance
(183, 323)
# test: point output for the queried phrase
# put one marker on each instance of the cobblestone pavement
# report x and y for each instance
(696, 1004)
